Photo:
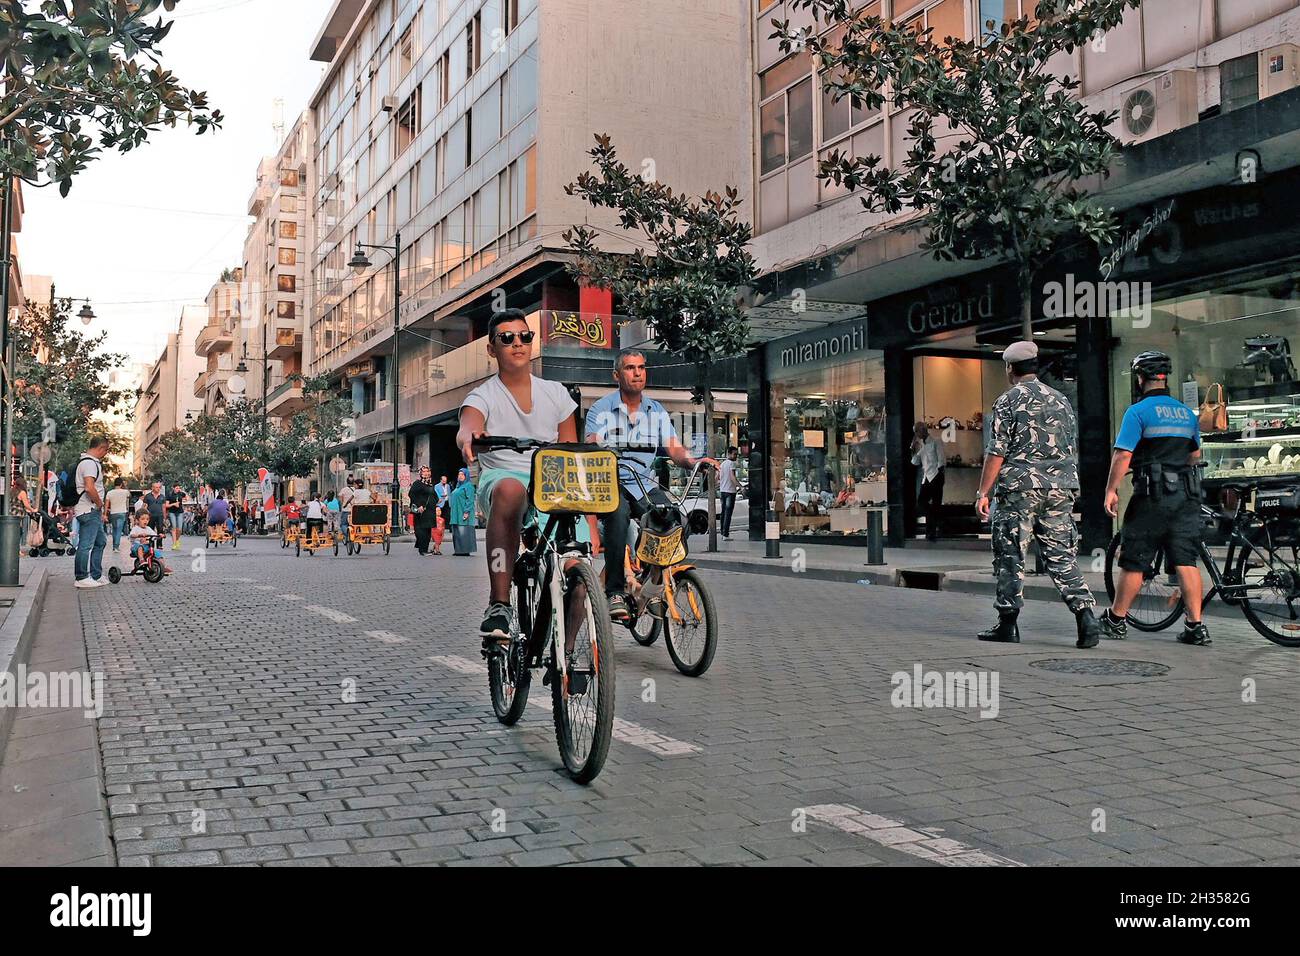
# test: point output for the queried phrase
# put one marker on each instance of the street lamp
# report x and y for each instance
(359, 263)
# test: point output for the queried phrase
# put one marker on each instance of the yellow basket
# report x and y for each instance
(574, 479)
(661, 550)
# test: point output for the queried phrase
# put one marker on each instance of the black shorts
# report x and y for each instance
(1171, 522)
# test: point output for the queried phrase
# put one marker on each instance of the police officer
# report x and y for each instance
(1033, 462)
(1160, 441)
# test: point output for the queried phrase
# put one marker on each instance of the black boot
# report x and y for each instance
(1089, 628)
(1006, 631)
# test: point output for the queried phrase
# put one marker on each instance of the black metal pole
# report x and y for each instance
(264, 378)
(396, 486)
(10, 525)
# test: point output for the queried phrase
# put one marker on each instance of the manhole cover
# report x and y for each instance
(1102, 668)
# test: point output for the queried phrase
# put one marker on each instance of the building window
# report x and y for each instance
(288, 230)
(406, 51)
(288, 256)
(444, 79)
(284, 310)
(511, 15)
(286, 283)
(474, 44)
(786, 113)
(288, 204)
(407, 125)
(289, 177)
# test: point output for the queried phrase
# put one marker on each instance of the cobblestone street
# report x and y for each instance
(230, 733)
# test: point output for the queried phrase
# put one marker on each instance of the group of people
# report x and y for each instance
(435, 507)
(1030, 483)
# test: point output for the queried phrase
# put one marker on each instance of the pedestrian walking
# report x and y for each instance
(728, 487)
(88, 567)
(424, 509)
(176, 513)
(1032, 466)
(464, 540)
(155, 502)
(119, 513)
(443, 491)
(1159, 440)
(927, 454)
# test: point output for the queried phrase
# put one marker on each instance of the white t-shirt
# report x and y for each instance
(88, 470)
(315, 511)
(727, 479)
(119, 501)
(552, 404)
(141, 531)
(362, 496)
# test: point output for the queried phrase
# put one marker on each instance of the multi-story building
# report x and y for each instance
(121, 420)
(218, 382)
(863, 333)
(270, 344)
(456, 124)
(167, 397)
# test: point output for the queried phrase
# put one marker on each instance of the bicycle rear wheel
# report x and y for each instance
(1270, 596)
(1160, 601)
(692, 632)
(584, 715)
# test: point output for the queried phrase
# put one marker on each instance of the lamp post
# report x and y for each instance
(359, 263)
(241, 368)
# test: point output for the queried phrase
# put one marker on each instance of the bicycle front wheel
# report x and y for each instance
(1160, 600)
(508, 675)
(1270, 595)
(583, 702)
(691, 625)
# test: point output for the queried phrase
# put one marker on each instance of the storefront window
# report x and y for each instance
(1238, 337)
(828, 447)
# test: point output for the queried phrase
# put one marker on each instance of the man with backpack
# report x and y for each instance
(85, 495)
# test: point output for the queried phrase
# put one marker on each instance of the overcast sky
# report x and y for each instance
(145, 232)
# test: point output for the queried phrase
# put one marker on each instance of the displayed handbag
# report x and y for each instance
(1212, 416)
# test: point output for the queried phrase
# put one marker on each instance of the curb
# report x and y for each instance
(16, 637)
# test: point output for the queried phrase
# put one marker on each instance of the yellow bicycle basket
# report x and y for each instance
(661, 550)
(574, 479)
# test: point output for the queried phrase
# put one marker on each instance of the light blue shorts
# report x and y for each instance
(488, 479)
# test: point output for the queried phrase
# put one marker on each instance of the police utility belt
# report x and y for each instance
(1156, 480)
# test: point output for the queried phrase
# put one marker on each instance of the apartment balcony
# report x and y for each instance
(285, 398)
(257, 201)
(210, 379)
(287, 342)
(214, 337)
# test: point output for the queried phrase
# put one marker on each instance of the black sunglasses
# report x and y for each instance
(508, 338)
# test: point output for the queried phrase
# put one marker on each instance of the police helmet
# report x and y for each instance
(1151, 364)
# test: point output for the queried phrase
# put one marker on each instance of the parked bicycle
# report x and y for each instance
(663, 588)
(554, 586)
(1260, 573)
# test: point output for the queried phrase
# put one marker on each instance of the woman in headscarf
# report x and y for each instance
(463, 521)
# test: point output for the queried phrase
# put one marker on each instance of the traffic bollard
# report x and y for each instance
(11, 532)
(875, 537)
(772, 532)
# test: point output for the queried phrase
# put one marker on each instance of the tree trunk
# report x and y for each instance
(1026, 279)
(708, 451)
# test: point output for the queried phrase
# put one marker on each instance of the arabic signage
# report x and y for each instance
(585, 329)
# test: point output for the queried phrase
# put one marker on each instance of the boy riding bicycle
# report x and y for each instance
(518, 404)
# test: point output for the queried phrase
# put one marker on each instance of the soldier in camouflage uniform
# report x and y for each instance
(1033, 461)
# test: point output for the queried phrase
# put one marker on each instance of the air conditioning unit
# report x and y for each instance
(1238, 82)
(1278, 69)
(389, 104)
(1157, 107)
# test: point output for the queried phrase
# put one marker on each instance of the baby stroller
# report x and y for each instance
(54, 537)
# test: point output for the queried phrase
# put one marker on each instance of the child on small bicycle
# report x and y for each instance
(144, 542)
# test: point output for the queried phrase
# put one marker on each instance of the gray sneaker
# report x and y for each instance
(1114, 628)
(498, 620)
(1197, 634)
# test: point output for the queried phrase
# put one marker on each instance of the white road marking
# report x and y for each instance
(290, 597)
(244, 580)
(624, 730)
(387, 637)
(898, 836)
(338, 617)
(263, 587)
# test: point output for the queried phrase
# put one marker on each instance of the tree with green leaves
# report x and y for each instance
(234, 443)
(179, 458)
(1016, 140)
(59, 382)
(301, 446)
(686, 277)
(76, 71)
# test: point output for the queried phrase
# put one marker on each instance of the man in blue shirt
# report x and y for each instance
(627, 417)
(1160, 441)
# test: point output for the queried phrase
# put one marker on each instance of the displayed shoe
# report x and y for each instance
(1114, 628)
(617, 606)
(1196, 634)
(1089, 629)
(1006, 631)
(495, 628)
